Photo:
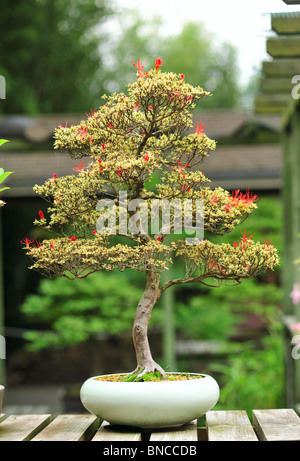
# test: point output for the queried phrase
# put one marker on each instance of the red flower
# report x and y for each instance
(150, 107)
(228, 208)
(246, 237)
(200, 128)
(92, 113)
(54, 176)
(180, 168)
(146, 157)
(268, 245)
(215, 199)
(158, 63)
(26, 241)
(140, 66)
(119, 171)
(81, 167)
(103, 146)
(94, 232)
(110, 125)
(182, 76)
(41, 214)
(235, 244)
(136, 108)
(239, 198)
(159, 238)
(72, 238)
(60, 126)
(83, 132)
(100, 161)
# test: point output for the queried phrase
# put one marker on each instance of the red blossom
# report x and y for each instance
(200, 128)
(238, 198)
(100, 161)
(158, 63)
(228, 208)
(159, 238)
(180, 168)
(54, 176)
(92, 113)
(41, 214)
(146, 157)
(139, 65)
(83, 132)
(186, 187)
(72, 238)
(150, 107)
(136, 108)
(246, 237)
(80, 168)
(215, 199)
(119, 171)
(94, 232)
(269, 244)
(182, 76)
(26, 241)
(60, 126)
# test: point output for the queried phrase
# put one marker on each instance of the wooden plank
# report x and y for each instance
(111, 433)
(277, 425)
(229, 426)
(22, 427)
(281, 85)
(280, 47)
(281, 67)
(69, 428)
(271, 103)
(286, 24)
(185, 433)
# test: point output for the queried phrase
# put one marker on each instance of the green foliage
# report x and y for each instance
(49, 54)
(215, 314)
(151, 376)
(74, 311)
(253, 378)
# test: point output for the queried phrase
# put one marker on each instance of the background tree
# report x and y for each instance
(128, 139)
(193, 51)
(49, 54)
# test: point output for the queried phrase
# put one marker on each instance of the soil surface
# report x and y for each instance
(170, 377)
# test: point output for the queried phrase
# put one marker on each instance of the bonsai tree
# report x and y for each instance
(142, 149)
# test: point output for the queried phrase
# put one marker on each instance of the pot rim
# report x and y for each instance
(201, 376)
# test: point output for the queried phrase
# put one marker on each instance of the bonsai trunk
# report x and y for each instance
(145, 362)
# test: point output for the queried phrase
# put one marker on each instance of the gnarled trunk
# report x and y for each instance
(145, 362)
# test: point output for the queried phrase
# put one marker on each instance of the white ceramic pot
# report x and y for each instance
(150, 404)
(1, 397)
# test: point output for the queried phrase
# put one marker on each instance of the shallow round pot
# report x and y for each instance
(1, 397)
(150, 404)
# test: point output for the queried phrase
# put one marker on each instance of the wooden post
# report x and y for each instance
(2, 343)
(291, 240)
(168, 326)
